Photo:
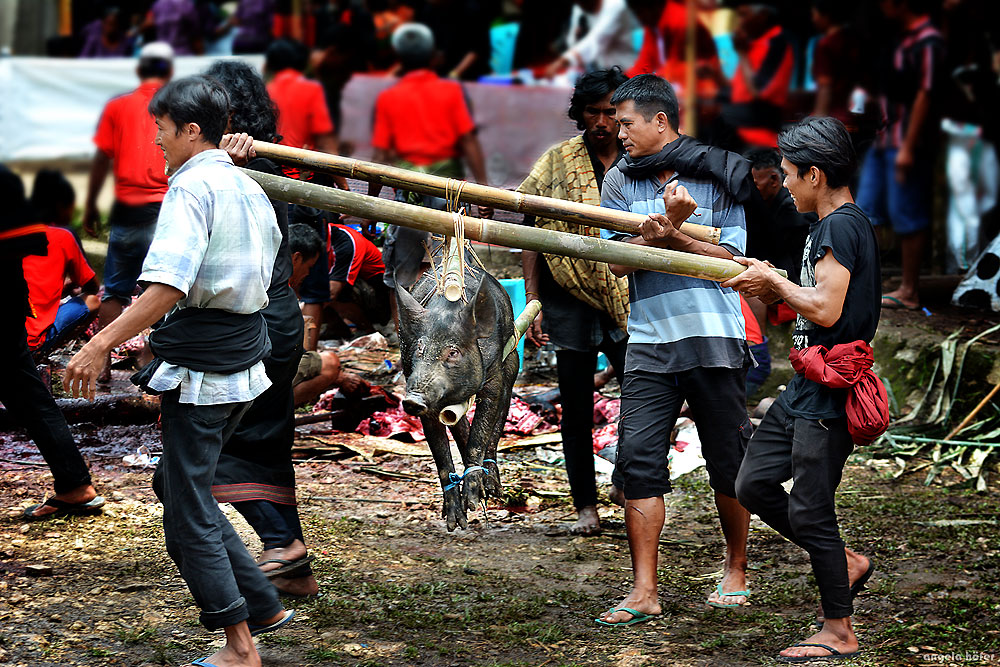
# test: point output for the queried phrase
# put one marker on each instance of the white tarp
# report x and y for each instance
(49, 107)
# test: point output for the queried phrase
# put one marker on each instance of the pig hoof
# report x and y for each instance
(474, 490)
(454, 511)
(494, 489)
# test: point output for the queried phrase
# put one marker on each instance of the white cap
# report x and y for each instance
(159, 50)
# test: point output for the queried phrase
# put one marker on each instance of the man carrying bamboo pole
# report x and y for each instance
(687, 338)
(422, 123)
(585, 305)
(807, 434)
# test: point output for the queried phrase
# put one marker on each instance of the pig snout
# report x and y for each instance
(414, 404)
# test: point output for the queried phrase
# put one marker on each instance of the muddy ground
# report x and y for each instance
(514, 589)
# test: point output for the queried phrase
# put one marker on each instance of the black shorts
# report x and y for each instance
(649, 409)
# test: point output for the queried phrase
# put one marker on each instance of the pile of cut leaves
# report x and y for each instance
(934, 438)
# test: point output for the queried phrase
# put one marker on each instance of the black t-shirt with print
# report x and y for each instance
(848, 234)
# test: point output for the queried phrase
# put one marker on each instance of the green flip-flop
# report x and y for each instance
(719, 605)
(637, 617)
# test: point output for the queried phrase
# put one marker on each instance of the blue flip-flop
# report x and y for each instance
(261, 629)
(637, 617)
(720, 605)
(203, 662)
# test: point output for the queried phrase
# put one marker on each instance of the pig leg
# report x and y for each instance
(437, 440)
(492, 405)
(494, 487)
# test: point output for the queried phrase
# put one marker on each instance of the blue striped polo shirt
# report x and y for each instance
(678, 323)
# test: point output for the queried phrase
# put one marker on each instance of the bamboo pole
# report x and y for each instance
(975, 411)
(499, 233)
(473, 193)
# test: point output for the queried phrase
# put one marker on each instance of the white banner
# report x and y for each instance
(49, 107)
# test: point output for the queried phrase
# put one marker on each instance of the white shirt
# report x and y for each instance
(216, 239)
(609, 40)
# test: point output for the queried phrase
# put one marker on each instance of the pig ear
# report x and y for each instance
(484, 312)
(410, 312)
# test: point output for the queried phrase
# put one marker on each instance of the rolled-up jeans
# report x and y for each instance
(221, 574)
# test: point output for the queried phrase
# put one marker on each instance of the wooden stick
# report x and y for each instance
(975, 411)
(499, 233)
(543, 207)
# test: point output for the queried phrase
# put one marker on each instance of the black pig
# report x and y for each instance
(451, 351)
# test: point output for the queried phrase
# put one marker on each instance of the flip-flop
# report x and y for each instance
(735, 605)
(637, 617)
(261, 629)
(203, 662)
(64, 509)
(896, 304)
(287, 566)
(834, 654)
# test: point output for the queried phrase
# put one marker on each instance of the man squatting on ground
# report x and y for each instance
(804, 435)
(585, 306)
(687, 339)
(207, 270)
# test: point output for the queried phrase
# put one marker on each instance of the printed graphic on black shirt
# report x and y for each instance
(807, 278)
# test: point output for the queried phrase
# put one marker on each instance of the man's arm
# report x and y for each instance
(822, 304)
(918, 115)
(327, 143)
(531, 268)
(99, 169)
(473, 153)
(82, 370)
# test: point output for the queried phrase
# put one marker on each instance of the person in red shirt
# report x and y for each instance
(124, 142)
(354, 258)
(64, 267)
(421, 123)
(664, 45)
(303, 122)
(760, 85)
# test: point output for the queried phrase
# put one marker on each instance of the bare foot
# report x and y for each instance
(841, 638)
(899, 298)
(297, 586)
(229, 657)
(292, 552)
(587, 523)
(734, 580)
(648, 602)
(81, 494)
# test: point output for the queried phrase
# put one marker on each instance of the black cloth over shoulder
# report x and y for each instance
(691, 158)
(208, 340)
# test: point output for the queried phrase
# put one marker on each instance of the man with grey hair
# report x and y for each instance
(421, 123)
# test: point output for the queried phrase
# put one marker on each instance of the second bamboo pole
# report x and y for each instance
(499, 233)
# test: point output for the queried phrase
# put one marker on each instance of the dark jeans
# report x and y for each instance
(28, 401)
(576, 388)
(225, 581)
(813, 454)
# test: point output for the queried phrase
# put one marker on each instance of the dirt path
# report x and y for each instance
(515, 589)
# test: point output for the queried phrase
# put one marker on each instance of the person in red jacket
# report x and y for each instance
(124, 141)
(64, 267)
(804, 436)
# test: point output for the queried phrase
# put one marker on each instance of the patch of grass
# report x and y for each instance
(135, 635)
(99, 652)
(522, 632)
(325, 654)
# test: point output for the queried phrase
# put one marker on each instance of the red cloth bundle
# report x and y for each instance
(849, 365)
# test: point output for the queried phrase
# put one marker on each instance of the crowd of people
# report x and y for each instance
(241, 286)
